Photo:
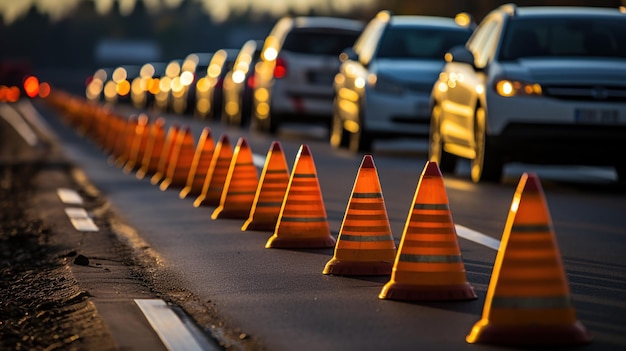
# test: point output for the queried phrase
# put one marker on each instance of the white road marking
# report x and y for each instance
(18, 123)
(69, 196)
(169, 327)
(81, 220)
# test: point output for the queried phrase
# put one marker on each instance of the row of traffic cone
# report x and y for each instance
(528, 299)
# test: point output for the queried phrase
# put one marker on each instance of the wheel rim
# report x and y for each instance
(479, 145)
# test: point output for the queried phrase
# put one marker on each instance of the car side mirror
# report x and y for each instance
(460, 54)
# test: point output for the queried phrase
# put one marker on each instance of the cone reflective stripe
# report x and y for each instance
(180, 162)
(166, 154)
(138, 147)
(270, 192)
(365, 244)
(240, 185)
(216, 175)
(429, 265)
(154, 149)
(302, 222)
(528, 300)
(200, 164)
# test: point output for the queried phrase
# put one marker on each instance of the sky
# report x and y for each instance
(219, 10)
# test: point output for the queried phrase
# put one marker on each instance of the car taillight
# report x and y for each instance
(251, 81)
(280, 70)
(31, 86)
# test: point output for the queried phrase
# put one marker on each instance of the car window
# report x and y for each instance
(319, 42)
(564, 37)
(419, 42)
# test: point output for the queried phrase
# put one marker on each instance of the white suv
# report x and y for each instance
(294, 76)
(543, 85)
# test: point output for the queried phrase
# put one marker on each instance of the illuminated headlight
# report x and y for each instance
(508, 88)
(385, 84)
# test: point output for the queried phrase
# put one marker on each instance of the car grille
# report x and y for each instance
(419, 87)
(586, 92)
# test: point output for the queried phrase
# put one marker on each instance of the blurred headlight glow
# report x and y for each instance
(508, 88)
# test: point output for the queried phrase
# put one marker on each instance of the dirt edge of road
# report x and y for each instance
(61, 288)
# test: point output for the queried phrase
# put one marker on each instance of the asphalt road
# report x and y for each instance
(281, 298)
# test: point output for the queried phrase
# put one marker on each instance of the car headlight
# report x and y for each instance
(385, 84)
(509, 88)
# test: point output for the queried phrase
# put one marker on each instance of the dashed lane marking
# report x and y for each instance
(170, 328)
(80, 219)
(69, 196)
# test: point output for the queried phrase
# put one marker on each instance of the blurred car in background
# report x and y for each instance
(162, 97)
(209, 95)
(144, 87)
(183, 92)
(94, 90)
(293, 81)
(383, 86)
(112, 85)
(238, 85)
(543, 85)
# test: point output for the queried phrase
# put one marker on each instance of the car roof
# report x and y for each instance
(551, 11)
(423, 21)
(327, 22)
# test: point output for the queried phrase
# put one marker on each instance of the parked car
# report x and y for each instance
(294, 77)
(209, 98)
(183, 92)
(238, 85)
(544, 85)
(144, 87)
(383, 86)
(162, 96)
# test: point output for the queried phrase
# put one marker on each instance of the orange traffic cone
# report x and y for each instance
(199, 165)
(302, 222)
(270, 192)
(180, 163)
(124, 143)
(240, 185)
(216, 175)
(429, 265)
(166, 154)
(365, 244)
(138, 146)
(154, 149)
(528, 300)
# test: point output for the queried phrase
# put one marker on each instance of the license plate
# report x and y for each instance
(601, 116)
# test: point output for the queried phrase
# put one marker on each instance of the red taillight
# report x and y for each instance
(280, 70)
(251, 81)
(31, 86)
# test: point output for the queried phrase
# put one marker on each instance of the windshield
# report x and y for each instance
(413, 42)
(564, 37)
(319, 41)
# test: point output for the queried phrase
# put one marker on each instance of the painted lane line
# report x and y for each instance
(69, 196)
(477, 237)
(18, 123)
(169, 327)
(81, 220)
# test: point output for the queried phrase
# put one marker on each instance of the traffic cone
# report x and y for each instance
(154, 149)
(114, 136)
(365, 244)
(302, 222)
(124, 142)
(138, 146)
(528, 300)
(199, 165)
(429, 265)
(216, 175)
(180, 163)
(166, 154)
(240, 185)
(270, 192)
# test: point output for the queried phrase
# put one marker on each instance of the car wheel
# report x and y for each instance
(446, 161)
(487, 163)
(338, 134)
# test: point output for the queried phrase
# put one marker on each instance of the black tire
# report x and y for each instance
(487, 164)
(436, 153)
